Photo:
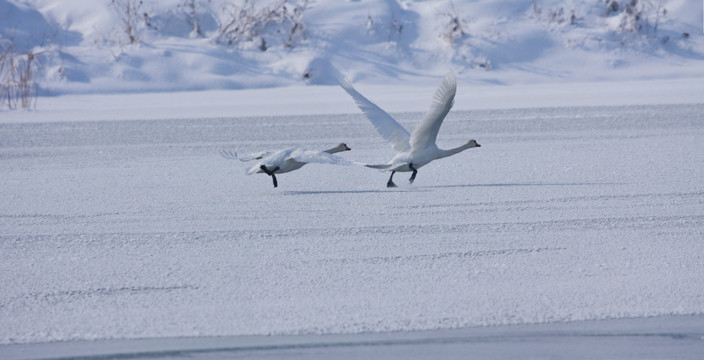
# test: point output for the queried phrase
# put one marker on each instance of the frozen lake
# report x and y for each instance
(139, 229)
(639, 338)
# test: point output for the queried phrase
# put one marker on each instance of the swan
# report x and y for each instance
(289, 159)
(418, 148)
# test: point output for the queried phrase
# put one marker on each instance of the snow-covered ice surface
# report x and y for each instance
(677, 337)
(133, 229)
(120, 222)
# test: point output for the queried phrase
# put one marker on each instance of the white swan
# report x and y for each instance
(419, 148)
(287, 160)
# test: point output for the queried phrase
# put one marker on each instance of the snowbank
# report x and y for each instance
(85, 47)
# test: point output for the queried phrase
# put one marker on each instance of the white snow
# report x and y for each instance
(81, 46)
(131, 229)
(119, 220)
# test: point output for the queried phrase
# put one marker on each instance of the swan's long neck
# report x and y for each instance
(449, 152)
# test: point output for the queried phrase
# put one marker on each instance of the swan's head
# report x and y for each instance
(472, 143)
(340, 147)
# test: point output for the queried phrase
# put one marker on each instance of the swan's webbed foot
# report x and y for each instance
(413, 176)
(390, 183)
(271, 173)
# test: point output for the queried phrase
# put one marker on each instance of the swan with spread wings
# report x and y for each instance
(413, 150)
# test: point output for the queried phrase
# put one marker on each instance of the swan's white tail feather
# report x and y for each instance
(254, 169)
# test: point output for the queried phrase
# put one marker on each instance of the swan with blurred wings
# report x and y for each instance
(289, 159)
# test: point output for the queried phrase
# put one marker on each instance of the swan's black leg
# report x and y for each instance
(271, 173)
(390, 183)
(413, 176)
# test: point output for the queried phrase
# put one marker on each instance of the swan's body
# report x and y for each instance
(416, 149)
(289, 159)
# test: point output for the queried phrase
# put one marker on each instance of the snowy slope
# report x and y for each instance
(83, 46)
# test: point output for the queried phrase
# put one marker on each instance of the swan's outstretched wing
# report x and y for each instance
(321, 157)
(427, 130)
(230, 154)
(385, 125)
(380, 166)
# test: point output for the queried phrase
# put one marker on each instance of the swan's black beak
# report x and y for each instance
(347, 148)
(478, 145)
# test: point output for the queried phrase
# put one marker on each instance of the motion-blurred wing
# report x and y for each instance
(385, 125)
(380, 166)
(231, 154)
(321, 157)
(426, 132)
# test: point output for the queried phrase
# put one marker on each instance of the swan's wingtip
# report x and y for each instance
(228, 154)
(344, 82)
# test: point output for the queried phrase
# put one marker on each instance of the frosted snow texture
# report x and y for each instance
(132, 229)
